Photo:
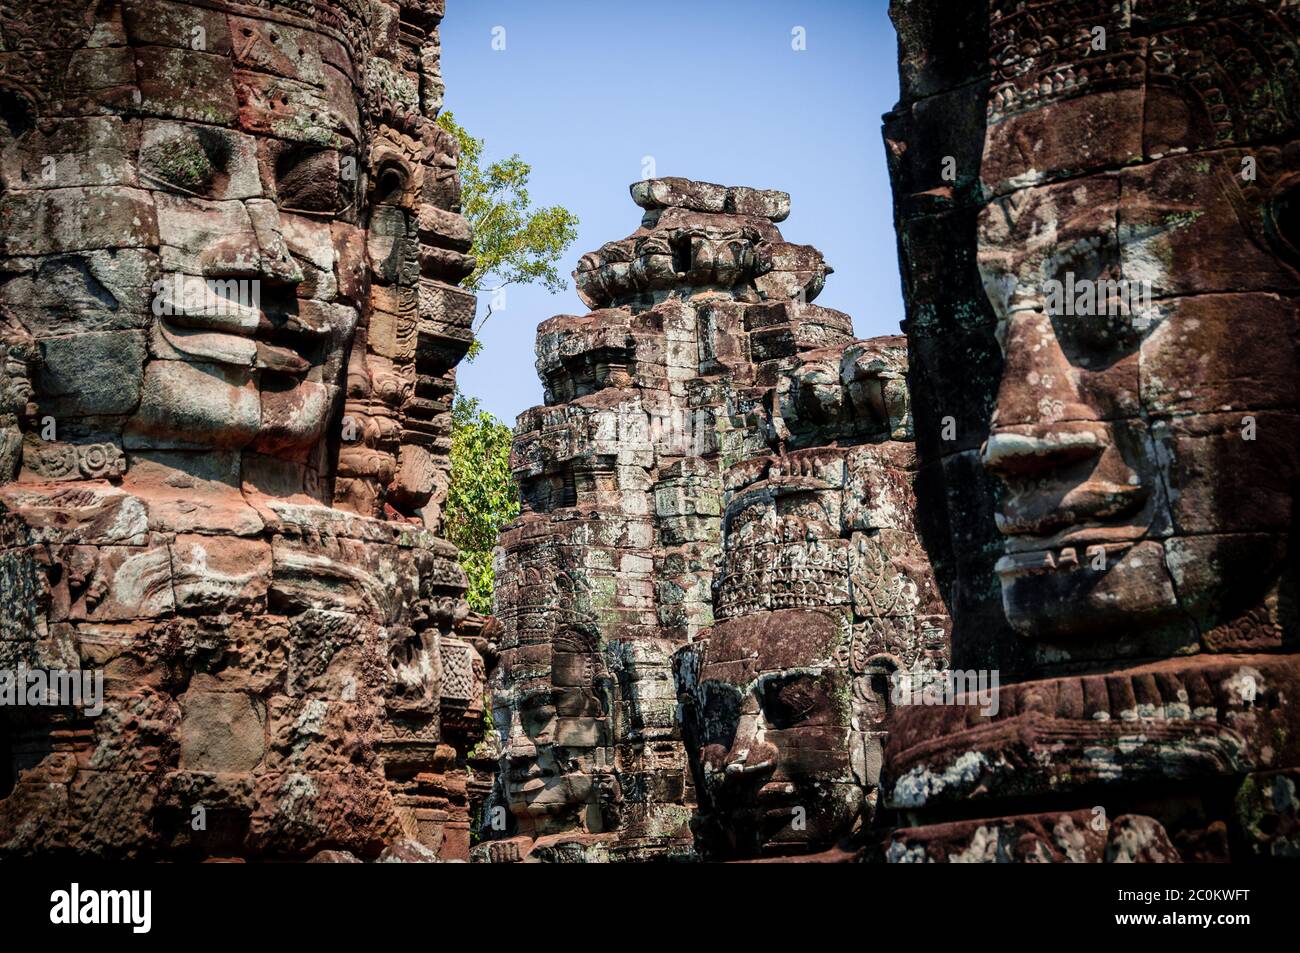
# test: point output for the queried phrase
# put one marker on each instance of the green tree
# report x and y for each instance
(482, 497)
(514, 242)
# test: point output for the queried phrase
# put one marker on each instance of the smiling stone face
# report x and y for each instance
(780, 763)
(198, 244)
(1102, 325)
(194, 269)
(1145, 425)
(229, 239)
(1109, 375)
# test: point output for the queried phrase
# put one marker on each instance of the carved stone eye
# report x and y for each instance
(309, 180)
(192, 158)
(796, 700)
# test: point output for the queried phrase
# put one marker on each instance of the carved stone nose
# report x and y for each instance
(277, 264)
(1040, 385)
(750, 759)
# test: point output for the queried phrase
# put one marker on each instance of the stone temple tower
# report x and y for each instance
(609, 569)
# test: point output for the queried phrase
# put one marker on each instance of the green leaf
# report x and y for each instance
(514, 242)
(482, 497)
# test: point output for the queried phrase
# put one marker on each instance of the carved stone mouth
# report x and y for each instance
(1083, 554)
(756, 799)
(777, 793)
(263, 329)
(1077, 536)
(1033, 512)
(285, 355)
(547, 793)
(530, 786)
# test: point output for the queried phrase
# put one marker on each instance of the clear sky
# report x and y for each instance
(585, 90)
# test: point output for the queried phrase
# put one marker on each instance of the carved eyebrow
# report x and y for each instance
(788, 675)
(1176, 215)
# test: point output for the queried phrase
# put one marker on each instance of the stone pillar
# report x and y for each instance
(824, 597)
(715, 492)
(230, 241)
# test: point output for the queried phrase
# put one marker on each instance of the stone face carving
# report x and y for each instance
(717, 523)
(230, 325)
(823, 595)
(1101, 316)
(229, 320)
(608, 569)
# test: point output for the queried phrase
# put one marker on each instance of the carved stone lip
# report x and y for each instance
(549, 794)
(268, 335)
(531, 785)
(1094, 502)
(529, 775)
(755, 797)
(279, 350)
(1077, 537)
(233, 304)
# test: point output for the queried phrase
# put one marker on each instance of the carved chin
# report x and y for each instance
(294, 418)
(1045, 597)
(206, 406)
(785, 814)
(194, 406)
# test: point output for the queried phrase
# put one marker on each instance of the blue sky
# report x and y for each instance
(711, 89)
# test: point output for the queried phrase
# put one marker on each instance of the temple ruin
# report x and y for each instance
(230, 322)
(1014, 585)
